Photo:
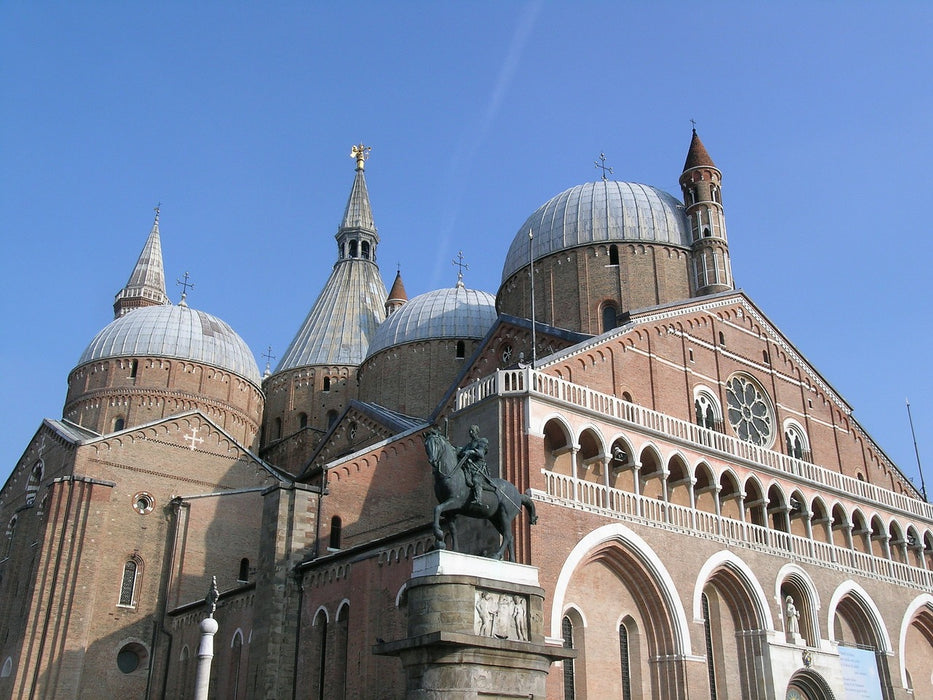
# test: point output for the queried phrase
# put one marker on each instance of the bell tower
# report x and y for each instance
(701, 183)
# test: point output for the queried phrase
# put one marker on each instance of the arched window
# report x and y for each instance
(609, 317)
(278, 429)
(319, 635)
(795, 440)
(10, 531)
(243, 576)
(7, 668)
(326, 383)
(32, 484)
(134, 367)
(461, 349)
(613, 254)
(331, 418)
(353, 249)
(707, 411)
(236, 663)
(336, 526)
(302, 420)
(566, 628)
(365, 247)
(625, 661)
(722, 339)
(119, 424)
(182, 682)
(128, 586)
(710, 662)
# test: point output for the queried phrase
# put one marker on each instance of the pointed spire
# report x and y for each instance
(397, 295)
(697, 155)
(359, 212)
(146, 285)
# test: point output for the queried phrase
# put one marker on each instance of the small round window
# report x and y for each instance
(750, 413)
(143, 503)
(132, 657)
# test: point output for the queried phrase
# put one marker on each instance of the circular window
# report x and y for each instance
(143, 503)
(750, 413)
(131, 657)
(506, 353)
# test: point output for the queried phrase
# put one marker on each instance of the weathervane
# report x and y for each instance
(601, 164)
(462, 265)
(361, 153)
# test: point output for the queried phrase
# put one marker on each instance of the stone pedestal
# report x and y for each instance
(475, 630)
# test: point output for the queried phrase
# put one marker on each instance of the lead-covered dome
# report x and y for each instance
(177, 332)
(600, 211)
(455, 312)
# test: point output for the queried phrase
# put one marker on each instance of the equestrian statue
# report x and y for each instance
(463, 487)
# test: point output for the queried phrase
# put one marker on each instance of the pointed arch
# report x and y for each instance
(918, 619)
(851, 600)
(794, 581)
(730, 603)
(654, 568)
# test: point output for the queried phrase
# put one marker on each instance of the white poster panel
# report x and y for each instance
(860, 674)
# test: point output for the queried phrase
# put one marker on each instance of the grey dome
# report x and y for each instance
(600, 211)
(178, 332)
(455, 312)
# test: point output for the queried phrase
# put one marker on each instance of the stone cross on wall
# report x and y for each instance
(193, 438)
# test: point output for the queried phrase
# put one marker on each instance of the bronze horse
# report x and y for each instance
(500, 503)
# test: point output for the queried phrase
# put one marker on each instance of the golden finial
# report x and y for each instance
(361, 153)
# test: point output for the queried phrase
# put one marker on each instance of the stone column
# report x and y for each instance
(202, 681)
(475, 630)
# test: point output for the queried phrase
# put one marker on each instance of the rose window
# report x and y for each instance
(749, 411)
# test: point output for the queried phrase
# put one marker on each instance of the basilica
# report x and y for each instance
(711, 520)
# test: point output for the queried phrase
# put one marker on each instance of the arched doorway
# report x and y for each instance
(807, 684)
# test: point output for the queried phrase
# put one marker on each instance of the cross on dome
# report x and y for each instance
(601, 164)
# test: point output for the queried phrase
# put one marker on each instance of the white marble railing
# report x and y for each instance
(587, 495)
(527, 381)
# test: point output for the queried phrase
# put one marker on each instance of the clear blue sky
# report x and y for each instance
(239, 117)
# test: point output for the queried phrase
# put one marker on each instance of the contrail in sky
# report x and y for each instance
(461, 163)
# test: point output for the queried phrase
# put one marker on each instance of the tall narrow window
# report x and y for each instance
(278, 428)
(708, 631)
(609, 317)
(326, 383)
(461, 349)
(134, 366)
(128, 587)
(302, 420)
(625, 661)
(566, 627)
(336, 527)
(236, 662)
(320, 633)
(331, 418)
(613, 255)
(32, 484)
(243, 576)
(10, 531)
(353, 249)
(365, 247)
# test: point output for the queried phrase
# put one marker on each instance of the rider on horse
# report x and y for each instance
(472, 457)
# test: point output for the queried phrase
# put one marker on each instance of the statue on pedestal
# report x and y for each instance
(486, 497)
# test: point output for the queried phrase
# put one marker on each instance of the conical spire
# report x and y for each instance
(146, 285)
(397, 295)
(359, 212)
(352, 304)
(697, 155)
